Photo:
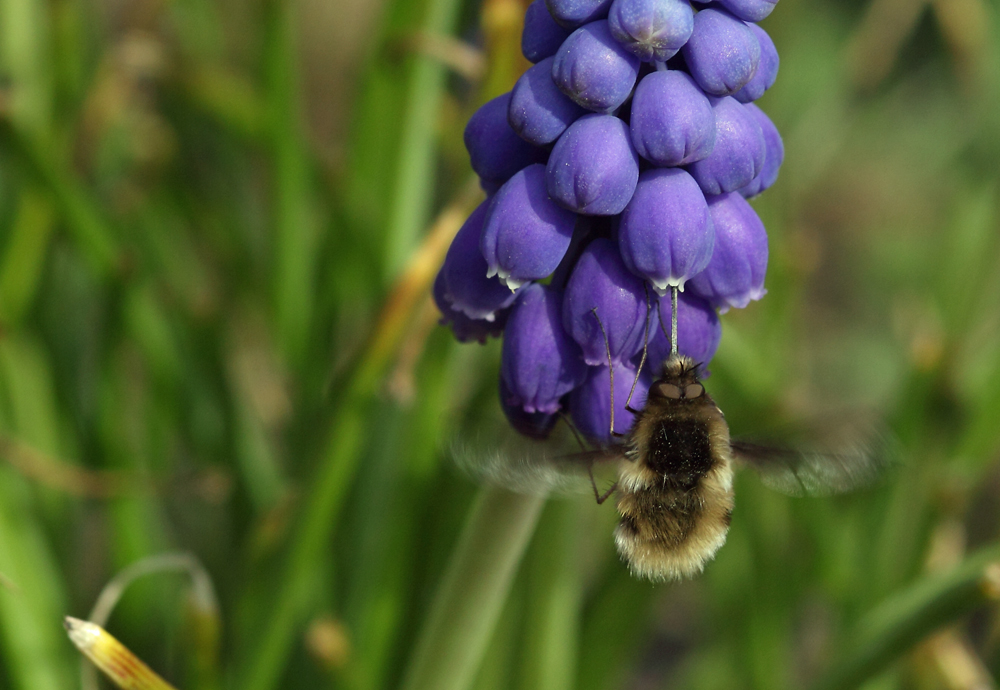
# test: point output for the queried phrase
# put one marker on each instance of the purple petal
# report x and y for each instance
(672, 120)
(735, 275)
(539, 362)
(539, 112)
(495, 150)
(749, 10)
(574, 13)
(601, 282)
(541, 37)
(722, 54)
(738, 155)
(698, 331)
(464, 328)
(767, 69)
(773, 158)
(652, 30)
(593, 69)
(590, 404)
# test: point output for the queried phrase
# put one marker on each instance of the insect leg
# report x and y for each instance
(611, 371)
(601, 498)
(645, 347)
(576, 433)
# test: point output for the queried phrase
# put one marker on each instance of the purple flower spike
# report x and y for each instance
(593, 69)
(698, 331)
(495, 150)
(593, 167)
(539, 112)
(525, 233)
(539, 362)
(774, 157)
(749, 10)
(672, 120)
(665, 234)
(767, 69)
(466, 286)
(738, 156)
(722, 54)
(536, 425)
(735, 275)
(541, 37)
(590, 404)
(600, 280)
(652, 30)
(466, 329)
(574, 13)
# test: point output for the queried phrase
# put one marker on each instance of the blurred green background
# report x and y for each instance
(218, 224)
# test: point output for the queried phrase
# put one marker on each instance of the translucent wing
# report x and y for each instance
(855, 459)
(527, 466)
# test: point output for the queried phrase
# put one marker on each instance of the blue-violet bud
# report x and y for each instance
(672, 120)
(466, 286)
(722, 53)
(739, 151)
(652, 30)
(495, 150)
(574, 13)
(541, 37)
(749, 10)
(604, 300)
(593, 167)
(774, 157)
(536, 425)
(525, 233)
(665, 234)
(466, 329)
(767, 69)
(735, 275)
(593, 69)
(539, 362)
(539, 112)
(698, 331)
(590, 404)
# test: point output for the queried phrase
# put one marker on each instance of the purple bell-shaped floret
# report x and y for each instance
(466, 286)
(749, 10)
(574, 13)
(665, 234)
(593, 167)
(539, 362)
(652, 30)
(604, 305)
(536, 425)
(466, 329)
(767, 69)
(541, 36)
(590, 404)
(738, 155)
(773, 158)
(735, 275)
(593, 69)
(672, 120)
(539, 112)
(525, 233)
(495, 150)
(698, 331)
(722, 53)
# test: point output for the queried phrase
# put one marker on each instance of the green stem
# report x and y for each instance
(84, 220)
(909, 616)
(295, 228)
(471, 595)
(414, 183)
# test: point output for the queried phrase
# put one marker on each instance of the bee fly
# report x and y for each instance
(675, 470)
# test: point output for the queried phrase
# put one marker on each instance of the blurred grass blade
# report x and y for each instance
(342, 450)
(912, 614)
(83, 218)
(24, 255)
(470, 597)
(115, 660)
(414, 182)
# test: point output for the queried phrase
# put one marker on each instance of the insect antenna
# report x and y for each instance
(611, 371)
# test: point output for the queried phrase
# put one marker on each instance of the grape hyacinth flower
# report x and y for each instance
(617, 172)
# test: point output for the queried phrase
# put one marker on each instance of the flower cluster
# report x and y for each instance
(616, 168)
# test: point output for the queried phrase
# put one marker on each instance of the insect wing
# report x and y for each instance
(530, 467)
(856, 461)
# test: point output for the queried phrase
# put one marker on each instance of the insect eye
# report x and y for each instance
(694, 390)
(669, 390)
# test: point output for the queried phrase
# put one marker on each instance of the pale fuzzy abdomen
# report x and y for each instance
(671, 527)
(667, 533)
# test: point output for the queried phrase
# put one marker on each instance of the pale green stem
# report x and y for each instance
(470, 597)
